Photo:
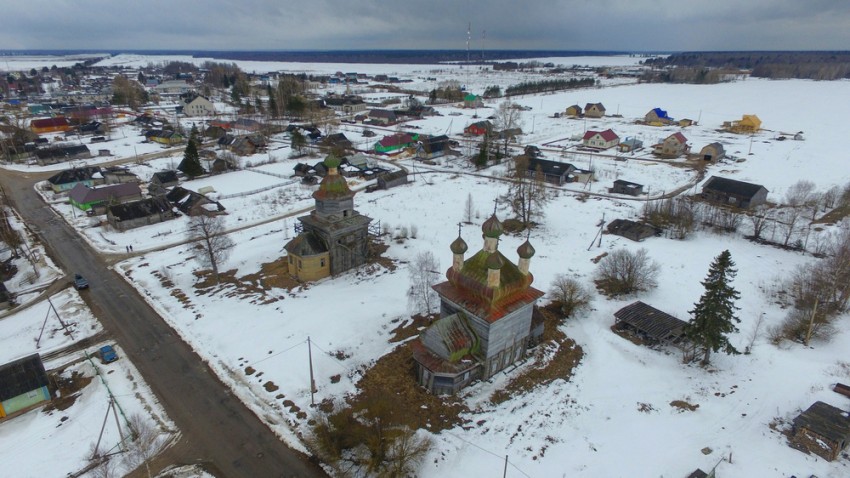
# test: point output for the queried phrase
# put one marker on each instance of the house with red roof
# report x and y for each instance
(673, 146)
(487, 312)
(479, 128)
(601, 139)
(50, 125)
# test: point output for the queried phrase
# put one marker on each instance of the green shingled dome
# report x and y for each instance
(459, 246)
(332, 161)
(492, 227)
(525, 251)
(495, 261)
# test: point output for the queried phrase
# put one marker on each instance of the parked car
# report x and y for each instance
(80, 282)
(107, 354)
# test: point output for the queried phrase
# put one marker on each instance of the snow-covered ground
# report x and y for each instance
(613, 417)
(55, 440)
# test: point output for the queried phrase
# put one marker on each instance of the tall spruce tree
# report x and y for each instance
(713, 317)
(191, 164)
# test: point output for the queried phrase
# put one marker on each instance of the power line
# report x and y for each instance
(278, 353)
(487, 451)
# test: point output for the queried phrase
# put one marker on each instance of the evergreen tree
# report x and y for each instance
(191, 164)
(713, 317)
(273, 112)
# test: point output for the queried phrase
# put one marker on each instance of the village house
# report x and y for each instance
(636, 231)
(118, 175)
(67, 179)
(58, 154)
(712, 152)
(337, 142)
(124, 217)
(731, 192)
(673, 146)
(748, 124)
(24, 384)
(395, 143)
(87, 198)
(333, 238)
(574, 110)
(553, 172)
(478, 128)
(657, 117)
(345, 104)
(391, 179)
(198, 106)
(600, 139)
(166, 137)
(626, 187)
(630, 144)
(193, 203)
(472, 101)
(486, 309)
(161, 181)
(58, 124)
(431, 147)
(383, 117)
(823, 430)
(594, 110)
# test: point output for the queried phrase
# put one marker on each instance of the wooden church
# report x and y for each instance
(486, 308)
(333, 237)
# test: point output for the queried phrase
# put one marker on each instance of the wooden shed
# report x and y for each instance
(626, 187)
(823, 430)
(650, 324)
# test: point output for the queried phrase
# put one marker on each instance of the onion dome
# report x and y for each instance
(495, 261)
(332, 161)
(492, 227)
(525, 250)
(459, 246)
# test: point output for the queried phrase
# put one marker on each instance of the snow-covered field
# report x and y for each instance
(613, 417)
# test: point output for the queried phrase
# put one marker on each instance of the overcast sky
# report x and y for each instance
(622, 25)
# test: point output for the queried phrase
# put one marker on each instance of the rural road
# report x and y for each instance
(217, 430)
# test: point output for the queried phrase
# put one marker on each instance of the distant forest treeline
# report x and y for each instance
(812, 65)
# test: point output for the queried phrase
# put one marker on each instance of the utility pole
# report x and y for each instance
(312, 381)
(505, 472)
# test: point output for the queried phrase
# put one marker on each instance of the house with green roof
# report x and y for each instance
(472, 101)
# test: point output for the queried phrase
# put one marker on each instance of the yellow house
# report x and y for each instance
(309, 258)
(748, 124)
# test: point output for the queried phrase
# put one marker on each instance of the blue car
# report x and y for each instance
(107, 354)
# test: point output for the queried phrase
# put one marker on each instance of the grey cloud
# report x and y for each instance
(345, 24)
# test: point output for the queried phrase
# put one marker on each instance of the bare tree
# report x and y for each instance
(759, 218)
(624, 272)
(570, 295)
(526, 194)
(209, 233)
(508, 117)
(468, 210)
(147, 443)
(405, 453)
(423, 271)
